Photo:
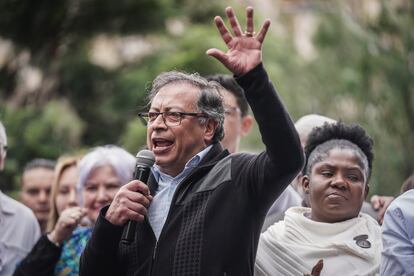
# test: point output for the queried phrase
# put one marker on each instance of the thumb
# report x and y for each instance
(219, 55)
(375, 202)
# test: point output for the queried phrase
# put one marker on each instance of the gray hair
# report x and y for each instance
(119, 159)
(210, 101)
(305, 124)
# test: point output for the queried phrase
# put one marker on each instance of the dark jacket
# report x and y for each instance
(216, 214)
(41, 260)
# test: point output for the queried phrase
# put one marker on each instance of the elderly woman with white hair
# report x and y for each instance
(102, 172)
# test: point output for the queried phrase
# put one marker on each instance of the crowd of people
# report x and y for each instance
(298, 208)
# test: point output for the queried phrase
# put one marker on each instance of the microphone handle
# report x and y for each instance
(128, 236)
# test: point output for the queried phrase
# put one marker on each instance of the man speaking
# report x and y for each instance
(202, 209)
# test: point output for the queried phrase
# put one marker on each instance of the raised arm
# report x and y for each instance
(267, 175)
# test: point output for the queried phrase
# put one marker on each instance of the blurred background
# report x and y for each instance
(74, 73)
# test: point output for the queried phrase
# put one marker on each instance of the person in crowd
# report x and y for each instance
(202, 210)
(19, 229)
(36, 184)
(398, 235)
(64, 189)
(304, 125)
(237, 124)
(336, 177)
(237, 120)
(99, 175)
(64, 208)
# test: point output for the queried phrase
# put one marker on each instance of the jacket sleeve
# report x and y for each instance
(100, 254)
(268, 173)
(398, 237)
(41, 260)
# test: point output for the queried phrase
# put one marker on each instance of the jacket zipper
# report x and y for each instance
(155, 251)
(181, 186)
(174, 198)
(154, 254)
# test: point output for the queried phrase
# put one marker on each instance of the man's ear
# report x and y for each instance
(210, 130)
(304, 179)
(246, 125)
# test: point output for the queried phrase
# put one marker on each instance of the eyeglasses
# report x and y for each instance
(169, 118)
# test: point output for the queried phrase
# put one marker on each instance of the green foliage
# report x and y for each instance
(362, 72)
(134, 137)
(34, 133)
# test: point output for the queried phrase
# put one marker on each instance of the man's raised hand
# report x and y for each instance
(244, 48)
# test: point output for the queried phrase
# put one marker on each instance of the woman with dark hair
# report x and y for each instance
(336, 175)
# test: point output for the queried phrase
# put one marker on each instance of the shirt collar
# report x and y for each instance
(6, 204)
(192, 163)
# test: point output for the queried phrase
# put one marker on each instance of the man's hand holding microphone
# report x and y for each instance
(131, 203)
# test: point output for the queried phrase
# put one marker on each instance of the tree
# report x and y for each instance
(55, 98)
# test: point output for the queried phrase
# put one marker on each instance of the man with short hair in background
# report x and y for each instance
(19, 229)
(36, 183)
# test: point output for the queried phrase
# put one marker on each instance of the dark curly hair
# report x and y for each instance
(340, 135)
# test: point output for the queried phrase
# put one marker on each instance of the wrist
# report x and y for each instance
(52, 238)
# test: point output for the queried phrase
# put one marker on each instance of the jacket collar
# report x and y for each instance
(7, 205)
(215, 154)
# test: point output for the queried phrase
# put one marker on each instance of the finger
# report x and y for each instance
(234, 23)
(138, 198)
(136, 217)
(133, 212)
(249, 23)
(216, 53)
(225, 34)
(136, 186)
(76, 214)
(137, 208)
(67, 223)
(375, 202)
(143, 189)
(316, 270)
(263, 31)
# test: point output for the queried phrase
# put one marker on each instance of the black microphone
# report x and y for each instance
(145, 160)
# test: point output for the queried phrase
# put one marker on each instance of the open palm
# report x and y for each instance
(244, 48)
